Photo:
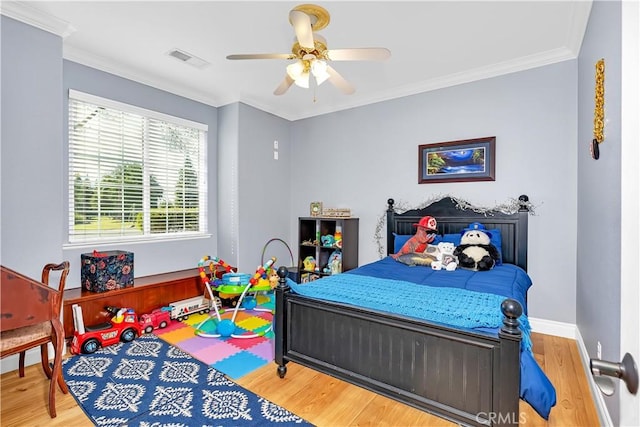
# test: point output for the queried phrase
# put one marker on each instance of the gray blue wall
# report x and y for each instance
(598, 217)
(254, 187)
(32, 171)
(361, 157)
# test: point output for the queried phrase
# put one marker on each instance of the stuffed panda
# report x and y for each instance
(475, 251)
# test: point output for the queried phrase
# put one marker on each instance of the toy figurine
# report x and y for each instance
(328, 240)
(309, 263)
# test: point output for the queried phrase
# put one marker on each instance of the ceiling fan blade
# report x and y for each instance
(284, 86)
(302, 26)
(359, 54)
(338, 81)
(262, 56)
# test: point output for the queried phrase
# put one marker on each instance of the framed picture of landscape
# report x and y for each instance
(457, 161)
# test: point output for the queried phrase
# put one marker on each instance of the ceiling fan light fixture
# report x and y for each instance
(295, 69)
(319, 71)
(303, 80)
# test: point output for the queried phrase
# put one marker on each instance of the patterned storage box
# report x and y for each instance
(106, 271)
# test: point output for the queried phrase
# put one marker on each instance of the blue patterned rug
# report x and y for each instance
(149, 382)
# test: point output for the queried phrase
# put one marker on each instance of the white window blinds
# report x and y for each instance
(133, 173)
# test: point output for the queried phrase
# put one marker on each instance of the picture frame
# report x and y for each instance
(315, 209)
(457, 161)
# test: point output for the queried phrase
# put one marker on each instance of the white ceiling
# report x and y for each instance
(433, 45)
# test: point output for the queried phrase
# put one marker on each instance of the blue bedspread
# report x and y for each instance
(507, 280)
(467, 299)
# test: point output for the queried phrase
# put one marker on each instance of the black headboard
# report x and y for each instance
(452, 219)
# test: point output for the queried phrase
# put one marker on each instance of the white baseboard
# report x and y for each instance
(552, 327)
(569, 330)
(598, 398)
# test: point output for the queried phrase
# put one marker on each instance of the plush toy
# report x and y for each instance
(334, 263)
(328, 240)
(425, 234)
(475, 251)
(413, 259)
(309, 263)
(338, 239)
(273, 278)
(444, 257)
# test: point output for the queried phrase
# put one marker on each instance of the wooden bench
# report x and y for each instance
(148, 292)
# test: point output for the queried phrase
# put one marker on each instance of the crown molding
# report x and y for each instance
(579, 20)
(108, 66)
(23, 12)
(481, 73)
(494, 70)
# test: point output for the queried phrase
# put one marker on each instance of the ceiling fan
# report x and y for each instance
(311, 54)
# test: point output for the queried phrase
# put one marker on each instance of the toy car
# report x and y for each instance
(123, 327)
(181, 310)
(157, 319)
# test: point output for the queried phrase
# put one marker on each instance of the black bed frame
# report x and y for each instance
(465, 376)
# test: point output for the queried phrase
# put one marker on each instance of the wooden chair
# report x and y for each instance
(22, 339)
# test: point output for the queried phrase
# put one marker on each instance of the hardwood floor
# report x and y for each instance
(324, 400)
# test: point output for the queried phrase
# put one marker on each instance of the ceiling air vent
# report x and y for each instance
(188, 58)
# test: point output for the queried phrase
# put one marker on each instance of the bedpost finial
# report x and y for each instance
(282, 272)
(524, 202)
(511, 309)
(390, 202)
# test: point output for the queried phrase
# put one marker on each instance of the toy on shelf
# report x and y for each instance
(242, 284)
(309, 263)
(335, 262)
(338, 238)
(328, 240)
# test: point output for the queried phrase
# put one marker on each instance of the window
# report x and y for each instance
(133, 173)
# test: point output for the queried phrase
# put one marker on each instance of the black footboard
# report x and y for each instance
(467, 377)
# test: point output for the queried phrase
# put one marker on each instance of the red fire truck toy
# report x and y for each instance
(124, 326)
(158, 318)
